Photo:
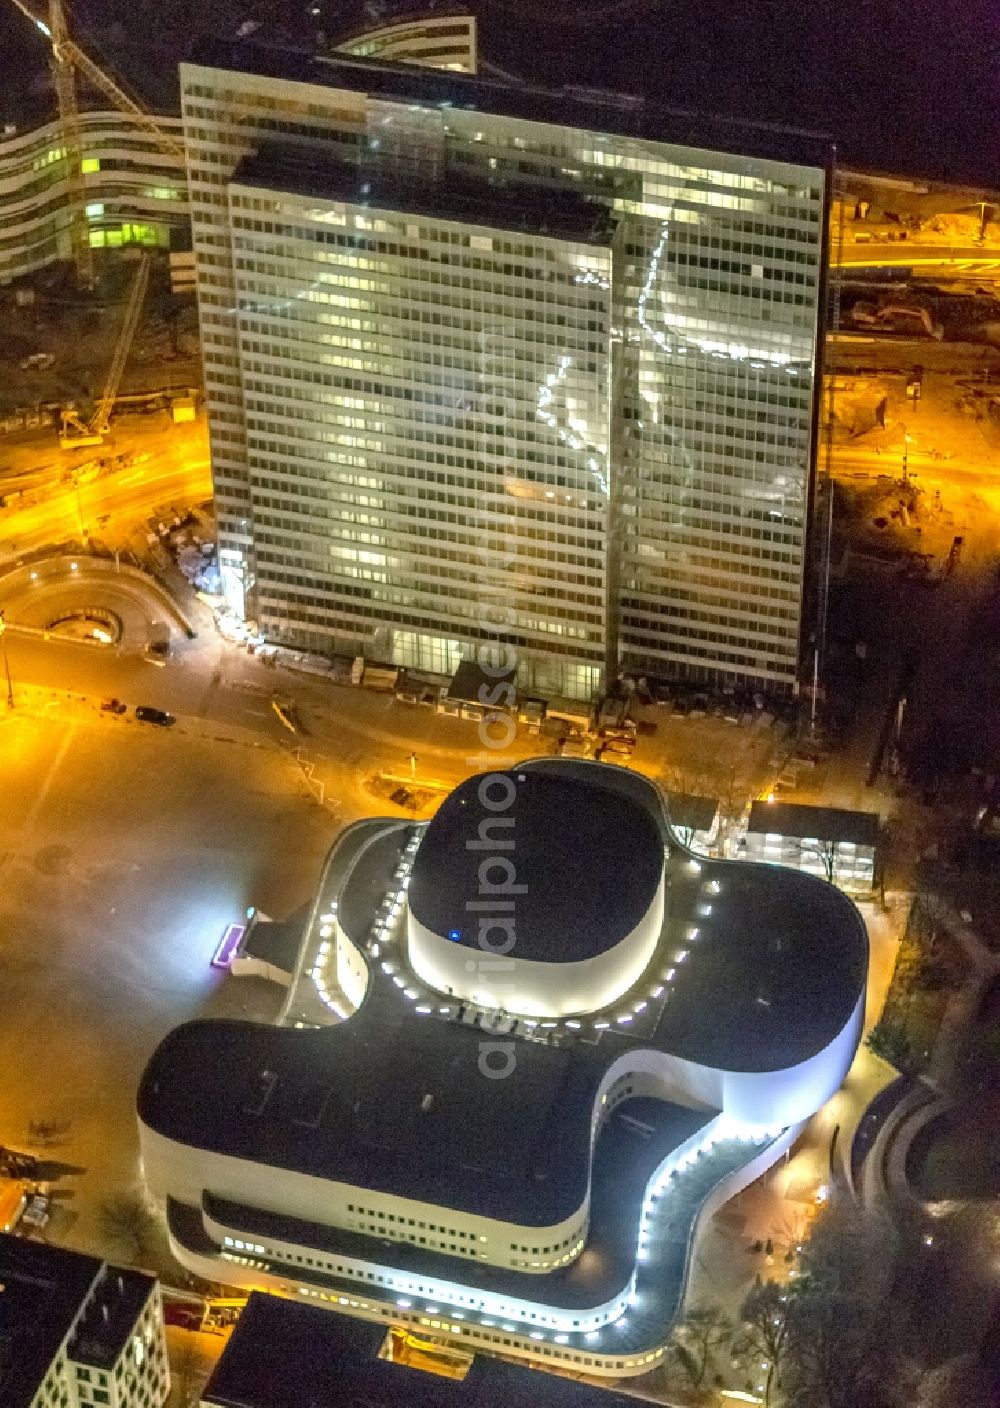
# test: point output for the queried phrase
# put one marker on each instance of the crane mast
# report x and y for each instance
(76, 432)
(64, 80)
(83, 63)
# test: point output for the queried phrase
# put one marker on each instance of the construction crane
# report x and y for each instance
(69, 60)
(69, 125)
(75, 432)
(66, 51)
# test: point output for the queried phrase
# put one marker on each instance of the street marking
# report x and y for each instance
(49, 779)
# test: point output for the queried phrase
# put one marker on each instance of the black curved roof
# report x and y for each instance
(345, 1103)
(589, 861)
(775, 972)
(773, 977)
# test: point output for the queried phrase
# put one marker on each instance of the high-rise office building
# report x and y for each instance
(481, 356)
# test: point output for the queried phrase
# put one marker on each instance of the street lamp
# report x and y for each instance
(906, 451)
(6, 662)
(79, 504)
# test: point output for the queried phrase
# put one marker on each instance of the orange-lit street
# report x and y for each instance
(173, 467)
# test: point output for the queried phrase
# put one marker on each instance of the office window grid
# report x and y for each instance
(709, 308)
(432, 426)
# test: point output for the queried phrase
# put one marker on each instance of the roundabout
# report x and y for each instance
(97, 600)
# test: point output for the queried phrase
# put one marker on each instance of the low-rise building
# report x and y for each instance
(831, 842)
(76, 1332)
(283, 1355)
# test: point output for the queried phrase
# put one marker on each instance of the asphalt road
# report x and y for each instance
(912, 253)
(176, 467)
(897, 355)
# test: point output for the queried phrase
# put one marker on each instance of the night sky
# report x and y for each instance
(909, 87)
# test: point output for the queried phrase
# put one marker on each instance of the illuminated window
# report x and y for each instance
(89, 165)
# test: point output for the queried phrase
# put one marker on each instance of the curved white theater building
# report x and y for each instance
(478, 1148)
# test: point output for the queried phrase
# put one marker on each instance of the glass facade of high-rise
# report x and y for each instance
(405, 463)
(469, 343)
(438, 41)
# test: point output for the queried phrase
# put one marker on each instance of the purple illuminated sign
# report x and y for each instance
(228, 945)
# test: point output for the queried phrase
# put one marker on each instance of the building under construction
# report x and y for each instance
(108, 172)
(101, 175)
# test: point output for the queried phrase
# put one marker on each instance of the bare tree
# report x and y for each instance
(847, 1341)
(127, 1220)
(704, 1329)
(722, 785)
(764, 1336)
(823, 851)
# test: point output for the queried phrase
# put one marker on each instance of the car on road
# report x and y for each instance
(38, 361)
(158, 642)
(146, 714)
(38, 1210)
(113, 706)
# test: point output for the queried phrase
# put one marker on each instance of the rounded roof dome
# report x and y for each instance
(575, 864)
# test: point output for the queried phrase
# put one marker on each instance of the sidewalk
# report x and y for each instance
(885, 1180)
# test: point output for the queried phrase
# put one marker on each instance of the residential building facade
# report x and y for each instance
(77, 1332)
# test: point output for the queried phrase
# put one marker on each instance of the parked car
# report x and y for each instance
(146, 714)
(38, 361)
(113, 706)
(37, 1212)
(184, 1313)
